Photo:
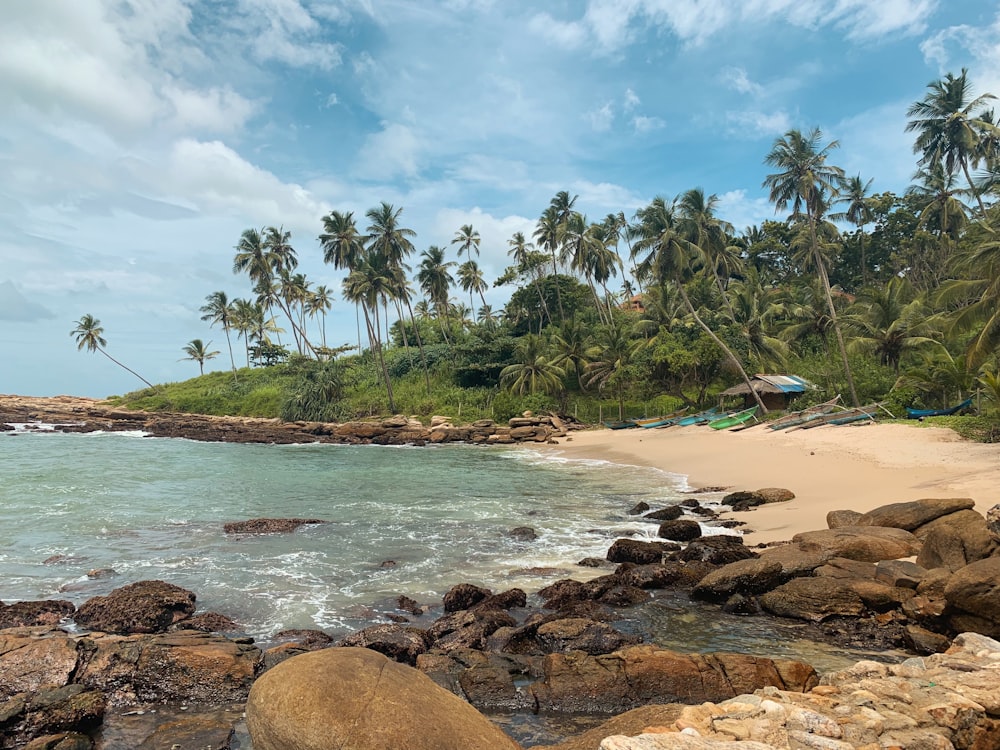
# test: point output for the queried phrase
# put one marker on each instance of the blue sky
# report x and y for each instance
(140, 138)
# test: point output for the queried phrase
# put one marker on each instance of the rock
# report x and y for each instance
(141, 607)
(504, 600)
(639, 552)
(406, 604)
(26, 614)
(813, 600)
(61, 741)
(744, 577)
(100, 574)
(955, 540)
(523, 534)
(810, 549)
(485, 680)
(901, 573)
(721, 549)
(581, 634)
(975, 589)
(670, 513)
(466, 629)
(923, 641)
(70, 708)
(638, 675)
(911, 515)
(358, 699)
(640, 507)
(209, 622)
(397, 642)
(993, 522)
(679, 531)
(672, 574)
(308, 639)
(463, 596)
(774, 495)
(630, 722)
(269, 525)
(838, 519)
(591, 562)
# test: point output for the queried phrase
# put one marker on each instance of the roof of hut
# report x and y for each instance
(771, 384)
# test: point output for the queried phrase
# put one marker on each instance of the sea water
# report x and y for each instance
(397, 521)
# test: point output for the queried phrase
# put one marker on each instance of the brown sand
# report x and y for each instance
(855, 467)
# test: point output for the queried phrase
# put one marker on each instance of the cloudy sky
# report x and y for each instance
(139, 138)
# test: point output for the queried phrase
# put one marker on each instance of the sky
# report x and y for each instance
(139, 138)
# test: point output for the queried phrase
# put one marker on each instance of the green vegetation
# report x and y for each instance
(883, 297)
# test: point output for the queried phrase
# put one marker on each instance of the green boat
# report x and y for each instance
(700, 418)
(732, 420)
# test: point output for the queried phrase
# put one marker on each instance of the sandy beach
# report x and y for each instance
(855, 467)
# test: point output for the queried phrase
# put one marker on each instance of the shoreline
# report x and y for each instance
(847, 467)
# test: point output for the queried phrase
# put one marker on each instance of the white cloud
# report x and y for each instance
(219, 110)
(975, 47)
(644, 124)
(331, 101)
(754, 124)
(736, 78)
(600, 119)
(631, 100)
(568, 35)
(393, 151)
(742, 212)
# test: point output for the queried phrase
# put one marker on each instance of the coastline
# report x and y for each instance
(848, 467)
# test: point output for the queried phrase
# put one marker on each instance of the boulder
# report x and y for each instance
(581, 634)
(27, 614)
(811, 549)
(745, 577)
(269, 525)
(901, 573)
(523, 534)
(638, 675)
(993, 522)
(141, 607)
(679, 531)
(70, 708)
(911, 515)
(813, 599)
(838, 519)
(720, 549)
(508, 599)
(463, 596)
(955, 540)
(670, 513)
(639, 552)
(397, 642)
(485, 680)
(672, 574)
(359, 699)
(467, 629)
(209, 622)
(640, 507)
(975, 590)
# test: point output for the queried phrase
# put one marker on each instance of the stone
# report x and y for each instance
(27, 614)
(68, 708)
(838, 519)
(581, 634)
(774, 495)
(269, 525)
(679, 531)
(523, 534)
(640, 507)
(813, 600)
(670, 513)
(993, 522)
(630, 722)
(141, 607)
(209, 622)
(466, 629)
(720, 549)
(639, 552)
(359, 699)
(744, 577)
(955, 540)
(911, 515)
(975, 589)
(397, 642)
(463, 596)
(900, 573)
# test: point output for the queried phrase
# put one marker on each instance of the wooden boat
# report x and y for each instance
(625, 425)
(700, 418)
(845, 416)
(663, 421)
(804, 415)
(734, 419)
(921, 413)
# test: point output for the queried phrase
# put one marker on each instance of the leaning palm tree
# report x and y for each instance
(950, 126)
(364, 286)
(218, 311)
(669, 257)
(197, 351)
(343, 246)
(90, 336)
(804, 180)
(467, 240)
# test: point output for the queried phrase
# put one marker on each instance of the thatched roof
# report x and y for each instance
(770, 384)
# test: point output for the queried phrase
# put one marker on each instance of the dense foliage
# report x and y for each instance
(877, 297)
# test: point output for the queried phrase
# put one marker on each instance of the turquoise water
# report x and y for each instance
(155, 508)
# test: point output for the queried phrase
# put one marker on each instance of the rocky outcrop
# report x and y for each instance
(141, 607)
(349, 697)
(269, 525)
(973, 592)
(914, 514)
(946, 701)
(639, 552)
(71, 709)
(743, 500)
(26, 614)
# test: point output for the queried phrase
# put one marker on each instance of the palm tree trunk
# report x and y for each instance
(231, 358)
(975, 192)
(420, 345)
(555, 278)
(721, 344)
(129, 369)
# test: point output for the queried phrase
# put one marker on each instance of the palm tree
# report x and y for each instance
(976, 299)
(550, 231)
(698, 222)
(520, 250)
(611, 360)
(365, 286)
(467, 240)
(283, 259)
(858, 212)
(218, 310)
(803, 181)
(90, 336)
(755, 309)
(343, 246)
(533, 371)
(435, 281)
(253, 257)
(668, 259)
(319, 303)
(470, 278)
(571, 343)
(948, 127)
(389, 241)
(198, 351)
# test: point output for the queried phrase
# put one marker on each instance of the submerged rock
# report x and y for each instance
(269, 525)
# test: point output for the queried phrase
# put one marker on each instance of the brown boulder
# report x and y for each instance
(639, 675)
(993, 522)
(486, 680)
(720, 549)
(463, 596)
(679, 531)
(269, 525)
(745, 577)
(70, 708)
(867, 544)
(358, 699)
(955, 540)
(639, 552)
(28, 614)
(911, 515)
(141, 607)
(580, 634)
(398, 642)
(838, 519)
(813, 599)
(975, 590)
(670, 513)
(465, 629)
(774, 495)
(33, 658)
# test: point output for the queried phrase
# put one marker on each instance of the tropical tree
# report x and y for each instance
(703, 229)
(611, 363)
(533, 371)
(950, 124)
(90, 336)
(804, 180)
(974, 299)
(217, 310)
(572, 344)
(470, 278)
(467, 240)
(291, 288)
(343, 246)
(365, 286)
(435, 281)
(198, 351)
(859, 212)
(521, 251)
(319, 303)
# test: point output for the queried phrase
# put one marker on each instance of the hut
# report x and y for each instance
(776, 391)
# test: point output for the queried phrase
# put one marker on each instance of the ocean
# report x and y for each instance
(399, 521)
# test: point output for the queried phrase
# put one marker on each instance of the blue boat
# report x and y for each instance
(921, 413)
(700, 418)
